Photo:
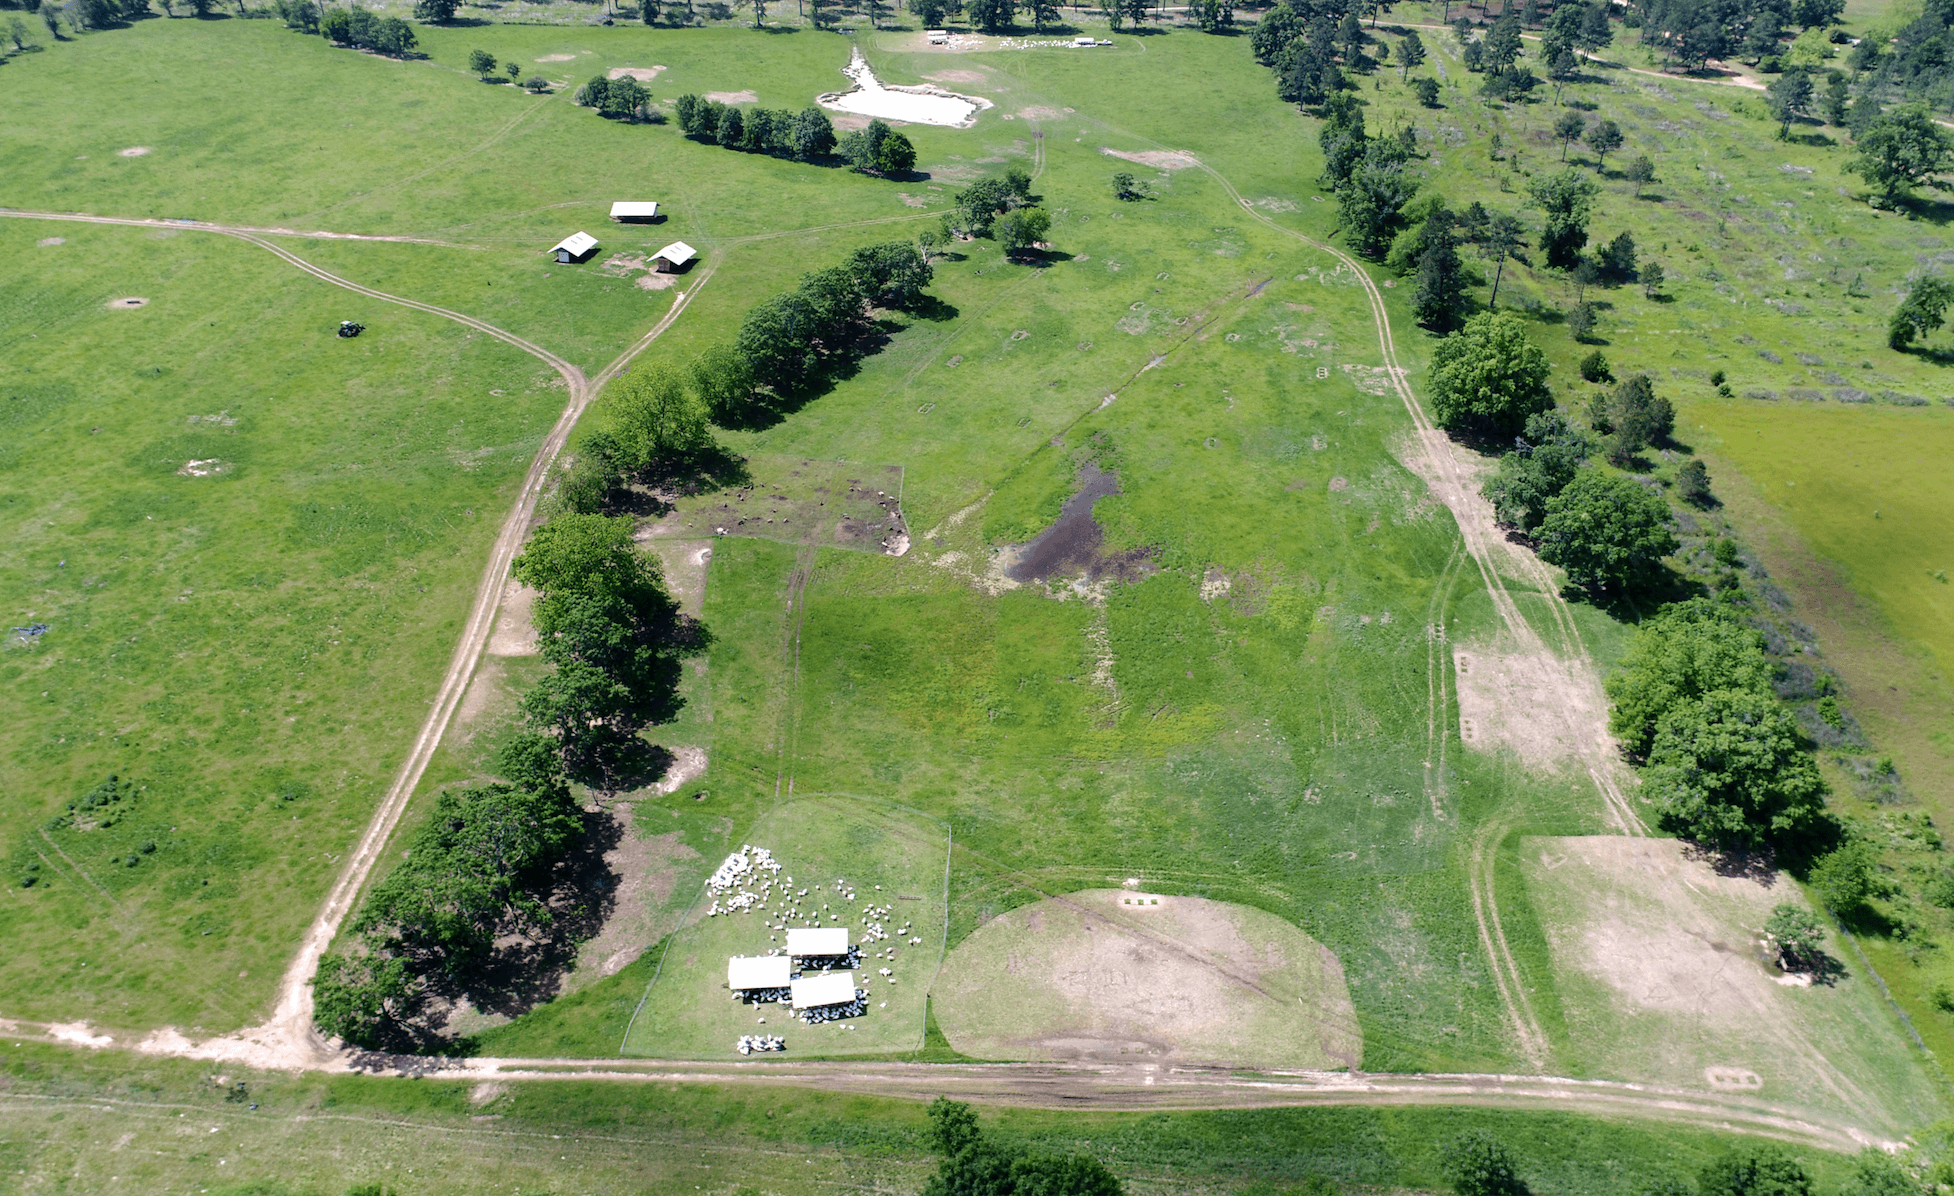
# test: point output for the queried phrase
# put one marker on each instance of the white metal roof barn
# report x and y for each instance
(672, 257)
(574, 247)
(758, 971)
(829, 988)
(818, 940)
(634, 209)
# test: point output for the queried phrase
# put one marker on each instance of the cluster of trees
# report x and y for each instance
(1307, 43)
(1543, 460)
(484, 863)
(1691, 32)
(652, 422)
(1002, 208)
(619, 99)
(878, 149)
(354, 26)
(480, 866)
(1367, 174)
(1723, 761)
(1915, 63)
(1497, 56)
(1428, 246)
(974, 1165)
(1900, 150)
(806, 136)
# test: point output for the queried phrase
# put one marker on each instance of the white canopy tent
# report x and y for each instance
(829, 988)
(758, 971)
(817, 941)
(634, 209)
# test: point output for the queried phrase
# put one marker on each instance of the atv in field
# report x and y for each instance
(348, 328)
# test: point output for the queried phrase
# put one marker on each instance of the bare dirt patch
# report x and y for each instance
(1108, 972)
(134, 151)
(912, 201)
(798, 500)
(126, 302)
(209, 467)
(1040, 113)
(558, 58)
(1664, 977)
(44, 242)
(1534, 703)
(515, 631)
(1158, 159)
(646, 868)
(643, 74)
(656, 282)
(684, 563)
(482, 690)
(734, 97)
(688, 765)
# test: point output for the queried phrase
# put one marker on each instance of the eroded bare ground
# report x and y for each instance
(1536, 694)
(1667, 978)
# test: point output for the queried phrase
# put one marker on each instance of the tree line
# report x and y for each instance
(485, 862)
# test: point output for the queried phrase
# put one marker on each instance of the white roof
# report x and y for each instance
(627, 208)
(577, 243)
(1082, 41)
(758, 971)
(829, 988)
(819, 940)
(936, 33)
(678, 253)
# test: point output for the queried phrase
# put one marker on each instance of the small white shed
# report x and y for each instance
(629, 210)
(673, 257)
(575, 247)
(758, 971)
(937, 36)
(817, 941)
(829, 988)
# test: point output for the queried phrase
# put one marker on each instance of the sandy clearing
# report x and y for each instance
(481, 691)
(1158, 159)
(515, 630)
(1534, 703)
(734, 97)
(1663, 975)
(1098, 974)
(656, 282)
(643, 74)
(134, 151)
(684, 563)
(688, 765)
(126, 302)
(1040, 113)
(558, 58)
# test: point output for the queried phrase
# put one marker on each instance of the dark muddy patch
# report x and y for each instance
(1075, 544)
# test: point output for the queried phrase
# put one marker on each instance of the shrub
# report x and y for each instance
(1594, 368)
(1693, 483)
(1477, 1164)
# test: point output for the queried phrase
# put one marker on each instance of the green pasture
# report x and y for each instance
(890, 858)
(254, 648)
(317, 1136)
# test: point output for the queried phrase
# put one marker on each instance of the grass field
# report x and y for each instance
(253, 648)
(892, 861)
(316, 1136)
(1106, 973)
(1258, 712)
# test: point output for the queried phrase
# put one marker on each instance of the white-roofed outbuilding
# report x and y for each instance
(673, 257)
(575, 247)
(634, 209)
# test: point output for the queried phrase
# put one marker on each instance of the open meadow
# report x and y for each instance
(1127, 567)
